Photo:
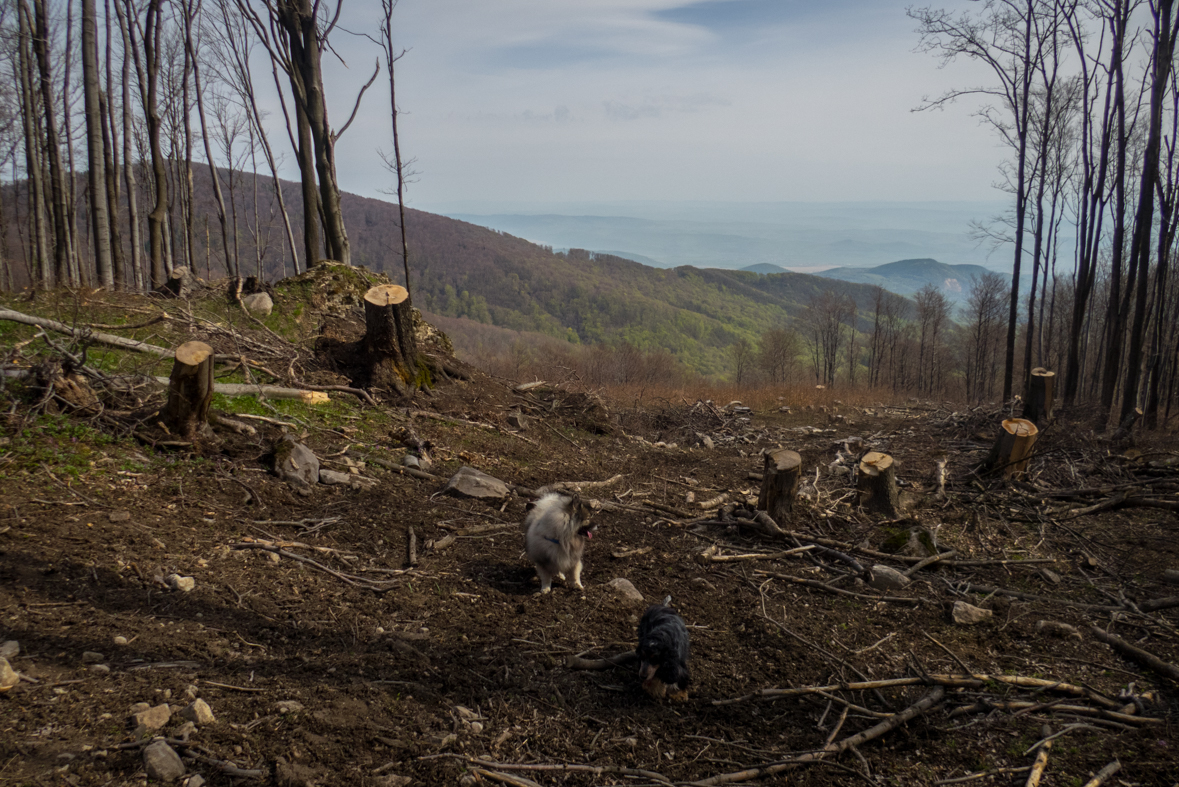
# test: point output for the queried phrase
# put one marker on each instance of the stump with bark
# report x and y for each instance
(190, 391)
(779, 484)
(389, 341)
(877, 484)
(1038, 408)
(1013, 447)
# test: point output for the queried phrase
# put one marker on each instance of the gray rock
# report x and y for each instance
(336, 478)
(199, 712)
(469, 482)
(886, 578)
(196, 780)
(259, 303)
(183, 584)
(1052, 628)
(162, 762)
(90, 657)
(296, 464)
(1049, 576)
(969, 615)
(120, 640)
(626, 593)
(518, 420)
(185, 731)
(102, 669)
(10, 649)
(8, 676)
(139, 707)
(288, 706)
(708, 443)
(119, 516)
(153, 718)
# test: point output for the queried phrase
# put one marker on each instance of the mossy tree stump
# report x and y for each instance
(1013, 446)
(190, 391)
(389, 337)
(876, 481)
(779, 484)
(1038, 407)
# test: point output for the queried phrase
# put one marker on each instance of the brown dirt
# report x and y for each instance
(380, 677)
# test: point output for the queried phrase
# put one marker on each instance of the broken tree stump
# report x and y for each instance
(877, 484)
(190, 391)
(389, 338)
(1013, 447)
(1038, 408)
(779, 484)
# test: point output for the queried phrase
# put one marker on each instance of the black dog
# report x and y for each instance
(663, 653)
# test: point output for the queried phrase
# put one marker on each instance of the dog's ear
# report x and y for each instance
(574, 503)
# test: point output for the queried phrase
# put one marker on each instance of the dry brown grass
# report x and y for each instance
(770, 397)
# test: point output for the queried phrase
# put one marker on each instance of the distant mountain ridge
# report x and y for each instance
(906, 277)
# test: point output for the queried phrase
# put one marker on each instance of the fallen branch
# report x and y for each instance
(1041, 760)
(360, 582)
(1102, 775)
(814, 583)
(621, 660)
(1163, 668)
(596, 770)
(87, 335)
(718, 558)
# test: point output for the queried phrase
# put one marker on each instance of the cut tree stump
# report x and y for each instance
(779, 484)
(1013, 447)
(1038, 409)
(389, 338)
(877, 483)
(190, 391)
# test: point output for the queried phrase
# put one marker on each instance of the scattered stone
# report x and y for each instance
(393, 780)
(90, 657)
(119, 516)
(469, 482)
(259, 303)
(196, 780)
(10, 649)
(183, 584)
(468, 781)
(8, 676)
(466, 714)
(707, 442)
(139, 707)
(274, 557)
(518, 420)
(102, 669)
(886, 578)
(162, 762)
(1171, 575)
(334, 478)
(153, 718)
(703, 584)
(1049, 576)
(626, 592)
(968, 615)
(289, 774)
(1054, 628)
(120, 641)
(185, 730)
(296, 464)
(199, 712)
(411, 460)
(288, 706)
(476, 727)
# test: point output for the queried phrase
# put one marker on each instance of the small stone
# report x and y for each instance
(100, 668)
(139, 707)
(466, 713)
(162, 762)
(119, 516)
(476, 727)
(518, 420)
(274, 557)
(1054, 628)
(409, 460)
(708, 443)
(968, 615)
(8, 676)
(469, 482)
(703, 584)
(196, 780)
(625, 592)
(185, 730)
(120, 641)
(183, 584)
(288, 706)
(153, 718)
(468, 781)
(887, 578)
(199, 712)
(393, 780)
(10, 650)
(90, 657)
(1049, 576)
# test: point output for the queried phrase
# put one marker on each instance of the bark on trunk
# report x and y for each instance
(1041, 393)
(389, 340)
(1013, 447)
(99, 209)
(877, 484)
(779, 485)
(190, 391)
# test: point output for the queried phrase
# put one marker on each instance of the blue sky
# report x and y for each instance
(550, 101)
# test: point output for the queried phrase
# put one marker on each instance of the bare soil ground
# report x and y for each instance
(455, 670)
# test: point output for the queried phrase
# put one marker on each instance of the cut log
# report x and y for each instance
(389, 338)
(1038, 408)
(1126, 427)
(190, 391)
(779, 484)
(1013, 447)
(877, 484)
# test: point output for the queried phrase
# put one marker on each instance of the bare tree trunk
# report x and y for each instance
(157, 219)
(99, 209)
(61, 235)
(136, 240)
(390, 59)
(36, 185)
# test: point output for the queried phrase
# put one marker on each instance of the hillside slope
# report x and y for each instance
(908, 276)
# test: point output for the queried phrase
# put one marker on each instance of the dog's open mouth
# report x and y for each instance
(587, 531)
